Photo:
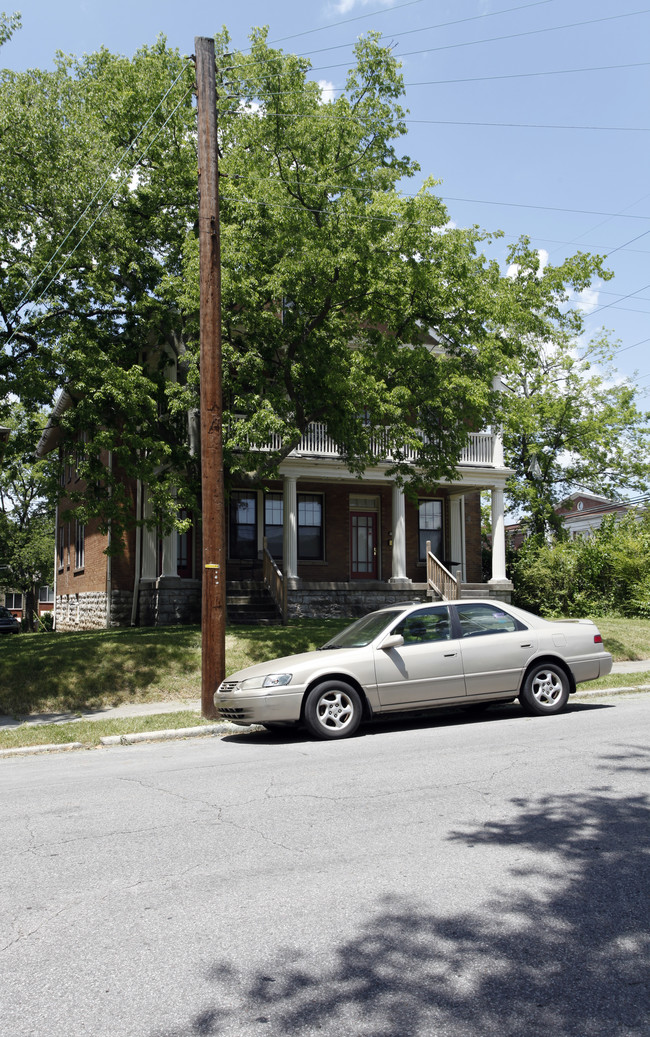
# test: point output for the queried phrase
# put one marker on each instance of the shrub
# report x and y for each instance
(608, 571)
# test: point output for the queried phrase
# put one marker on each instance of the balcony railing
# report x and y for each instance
(317, 442)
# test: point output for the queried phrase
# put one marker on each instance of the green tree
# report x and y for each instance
(8, 25)
(26, 514)
(570, 423)
(332, 277)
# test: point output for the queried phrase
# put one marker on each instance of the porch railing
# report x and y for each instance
(317, 442)
(439, 579)
(274, 582)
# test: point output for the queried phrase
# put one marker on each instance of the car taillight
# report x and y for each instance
(598, 639)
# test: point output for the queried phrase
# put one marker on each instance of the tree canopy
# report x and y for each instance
(336, 282)
(569, 422)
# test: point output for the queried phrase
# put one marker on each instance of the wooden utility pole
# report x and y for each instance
(213, 613)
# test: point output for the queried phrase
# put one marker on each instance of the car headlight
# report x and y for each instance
(272, 680)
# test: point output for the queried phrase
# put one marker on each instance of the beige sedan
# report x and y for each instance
(418, 656)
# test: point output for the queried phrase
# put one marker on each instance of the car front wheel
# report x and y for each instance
(333, 710)
(545, 690)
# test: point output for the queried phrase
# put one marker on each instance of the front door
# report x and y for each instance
(363, 545)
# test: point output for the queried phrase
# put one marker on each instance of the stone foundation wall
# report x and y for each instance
(86, 610)
(325, 601)
(169, 602)
(330, 601)
(161, 603)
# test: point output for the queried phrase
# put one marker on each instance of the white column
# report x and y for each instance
(497, 454)
(170, 554)
(399, 536)
(149, 545)
(498, 538)
(290, 527)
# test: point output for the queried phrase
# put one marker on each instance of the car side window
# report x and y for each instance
(425, 626)
(479, 619)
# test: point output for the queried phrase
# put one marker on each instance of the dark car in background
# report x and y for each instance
(8, 622)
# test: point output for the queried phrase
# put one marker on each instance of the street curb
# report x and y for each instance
(613, 691)
(166, 735)
(32, 750)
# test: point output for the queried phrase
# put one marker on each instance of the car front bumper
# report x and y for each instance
(277, 706)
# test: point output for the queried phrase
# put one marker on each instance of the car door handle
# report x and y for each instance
(528, 644)
(450, 655)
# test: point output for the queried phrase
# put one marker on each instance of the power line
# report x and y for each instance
(411, 3)
(358, 18)
(341, 188)
(624, 349)
(488, 39)
(544, 208)
(513, 75)
(627, 243)
(326, 113)
(622, 299)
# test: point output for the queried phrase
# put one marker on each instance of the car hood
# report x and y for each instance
(304, 662)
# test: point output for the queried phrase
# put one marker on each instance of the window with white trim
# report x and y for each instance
(429, 527)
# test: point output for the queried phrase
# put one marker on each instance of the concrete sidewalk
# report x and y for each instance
(141, 709)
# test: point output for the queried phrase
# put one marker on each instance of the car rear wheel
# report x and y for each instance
(545, 690)
(333, 710)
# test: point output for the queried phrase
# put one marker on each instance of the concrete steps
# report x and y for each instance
(248, 603)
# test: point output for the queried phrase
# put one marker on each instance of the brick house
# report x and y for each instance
(318, 539)
(15, 601)
(581, 513)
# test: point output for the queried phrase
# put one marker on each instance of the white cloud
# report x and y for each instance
(326, 91)
(345, 6)
(587, 300)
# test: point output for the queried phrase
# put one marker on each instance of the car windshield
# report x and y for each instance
(365, 630)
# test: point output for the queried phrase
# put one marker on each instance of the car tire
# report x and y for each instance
(333, 710)
(545, 690)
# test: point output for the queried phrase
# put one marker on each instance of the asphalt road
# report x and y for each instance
(442, 878)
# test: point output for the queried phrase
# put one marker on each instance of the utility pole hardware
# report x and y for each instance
(213, 610)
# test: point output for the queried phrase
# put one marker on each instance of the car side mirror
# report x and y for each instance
(392, 641)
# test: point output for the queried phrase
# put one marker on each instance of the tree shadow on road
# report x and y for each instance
(567, 954)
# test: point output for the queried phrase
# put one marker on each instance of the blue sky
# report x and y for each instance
(534, 115)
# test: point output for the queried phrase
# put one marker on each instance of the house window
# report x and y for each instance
(79, 545)
(273, 520)
(13, 600)
(46, 595)
(310, 527)
(243, 524)
(429, 528)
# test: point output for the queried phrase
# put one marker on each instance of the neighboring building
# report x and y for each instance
(583, 512)
(341, 545)
(15, 601)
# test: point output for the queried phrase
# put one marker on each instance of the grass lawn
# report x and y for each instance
(44, 673)
(41, 673)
